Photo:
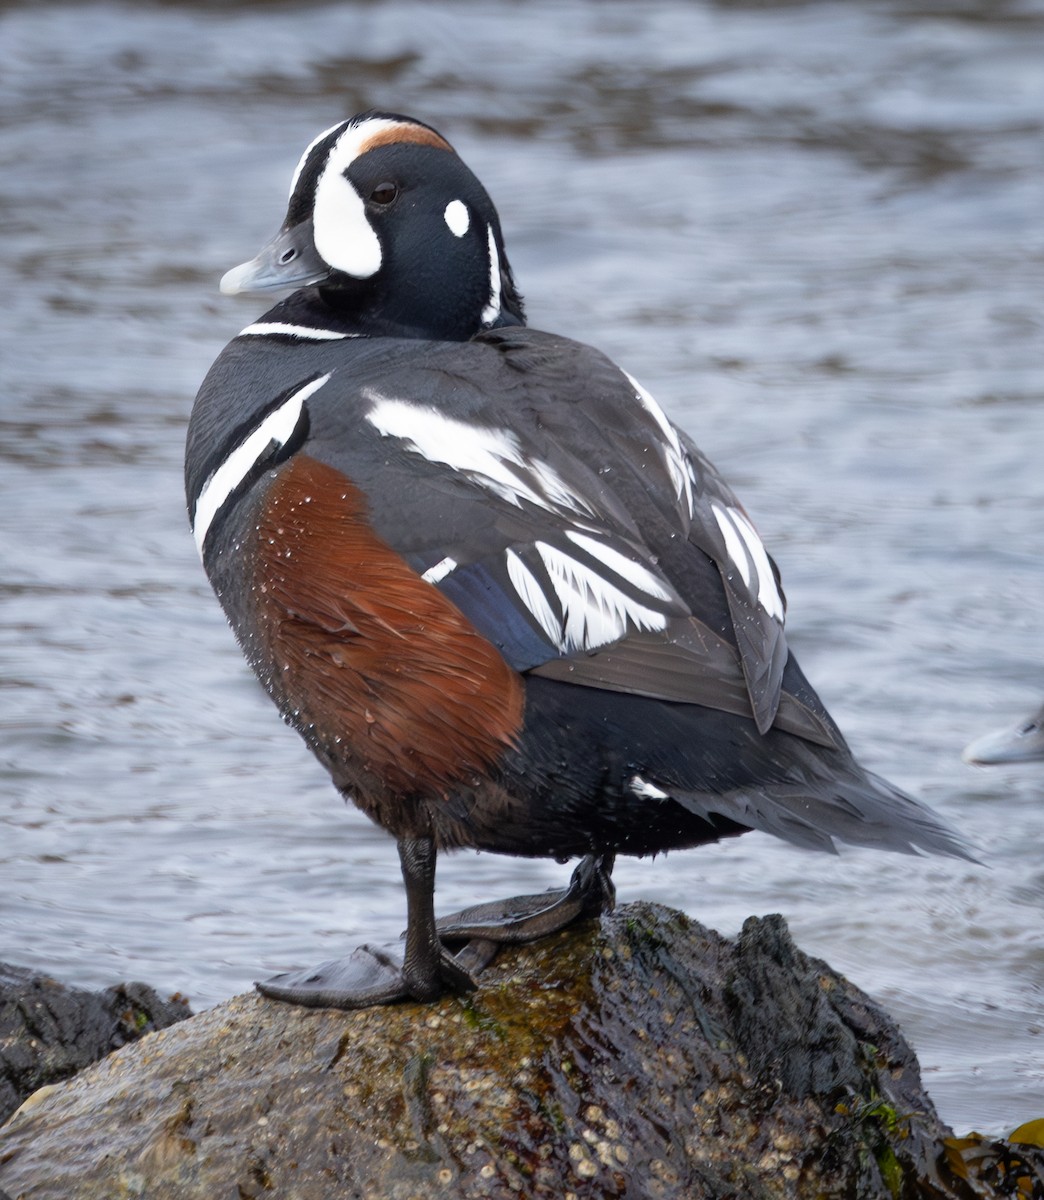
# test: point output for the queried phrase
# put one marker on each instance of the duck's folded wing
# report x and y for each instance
(580, 533)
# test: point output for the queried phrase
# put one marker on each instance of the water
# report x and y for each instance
(813, 230)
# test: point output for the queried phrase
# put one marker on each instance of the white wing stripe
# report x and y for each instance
(596, 611)
(277, 427)
(634, 572)
(532, 595)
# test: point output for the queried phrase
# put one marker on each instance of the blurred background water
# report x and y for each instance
(814, 230)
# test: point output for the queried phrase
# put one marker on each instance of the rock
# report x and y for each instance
(640, 1056)
(49, 1031)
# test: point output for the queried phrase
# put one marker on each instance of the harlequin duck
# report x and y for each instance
(506, 603)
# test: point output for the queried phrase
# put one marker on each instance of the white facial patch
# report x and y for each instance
(492, 310)
(457, 218)
(748, 555)
(277, 427)
(676, 459)
(488, 456)
(341, 231)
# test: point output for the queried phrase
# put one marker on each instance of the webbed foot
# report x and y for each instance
(526, 918)
(369, 976)
(374, 975)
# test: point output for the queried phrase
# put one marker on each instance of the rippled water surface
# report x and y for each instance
(813, 230)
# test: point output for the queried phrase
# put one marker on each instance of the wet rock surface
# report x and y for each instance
(49, 1031)
(640, 1056)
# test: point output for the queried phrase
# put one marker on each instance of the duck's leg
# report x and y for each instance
(373, 974)
(526, 918)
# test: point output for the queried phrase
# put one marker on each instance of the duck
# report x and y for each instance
(507, 603)
(1018, 743)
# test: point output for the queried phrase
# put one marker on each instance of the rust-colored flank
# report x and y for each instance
(391, 678)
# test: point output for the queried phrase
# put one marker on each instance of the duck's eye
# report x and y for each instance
(384, 193)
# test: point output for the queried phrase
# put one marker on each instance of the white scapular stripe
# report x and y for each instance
(457, 217)
(646, 790)
(277, 427)
(492, 309)
(440, 570)
(341, 231)
(768, 594)
(634, 572)
(491, 457)
(733, 545)
(745, 550)
(595, 611)
(677, 460)
(306, 332)
(532, 595)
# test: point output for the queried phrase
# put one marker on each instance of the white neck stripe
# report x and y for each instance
(268, 328)
(277, 427)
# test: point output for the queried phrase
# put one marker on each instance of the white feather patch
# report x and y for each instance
(646, 790)
(492, 310)
(489, 456)
(634, 572)
(308, 150)
(748, 555)
(440, 570)
(596, 612)
(277, 427)
(457, 218)
(768, 594)
(341, 231)
(305, 332)
(733, 545)
(532, 596)
(678, 466)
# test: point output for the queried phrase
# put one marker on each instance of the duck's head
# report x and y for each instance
(388, 222)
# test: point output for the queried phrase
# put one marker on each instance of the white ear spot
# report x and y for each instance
(457, 217)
